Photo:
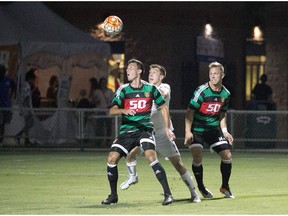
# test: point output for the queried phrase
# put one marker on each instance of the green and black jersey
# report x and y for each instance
(207, 105)
(140, 100)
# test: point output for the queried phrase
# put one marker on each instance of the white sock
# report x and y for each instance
(131, 166)
(188, 180)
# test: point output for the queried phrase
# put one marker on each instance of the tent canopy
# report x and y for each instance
(46, 40)
(38, 29)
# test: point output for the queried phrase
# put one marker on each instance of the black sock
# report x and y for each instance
(198, 173)
(225, 169)
(161, 176)
(112, 173)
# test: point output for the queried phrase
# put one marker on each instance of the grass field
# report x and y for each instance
(76, 183)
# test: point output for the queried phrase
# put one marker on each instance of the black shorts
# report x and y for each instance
(126, 142)
(213, 138)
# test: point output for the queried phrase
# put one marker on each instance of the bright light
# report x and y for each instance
(208, 30)
(257, 34)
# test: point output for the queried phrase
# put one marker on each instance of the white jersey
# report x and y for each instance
(164, 145)
(156, 115)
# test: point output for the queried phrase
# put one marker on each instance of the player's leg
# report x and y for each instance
(147, 143)
(169, 149)
(185, 176)
(222, 147)
(131, 163)
(197, 168)
(112, 173)
(226, 167)
(159, 172)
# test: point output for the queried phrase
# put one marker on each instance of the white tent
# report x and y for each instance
(46, 40)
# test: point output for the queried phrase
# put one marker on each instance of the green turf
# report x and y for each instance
(76, 182)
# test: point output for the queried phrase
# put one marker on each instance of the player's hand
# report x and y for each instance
(170, 135)
(129, 112)
(229, 137)
(188, 138)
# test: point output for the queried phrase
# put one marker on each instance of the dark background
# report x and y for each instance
(165, 33)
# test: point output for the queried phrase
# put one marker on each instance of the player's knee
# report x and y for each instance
(226, 155)
(150, 155)
(131, 157)
(113, 158)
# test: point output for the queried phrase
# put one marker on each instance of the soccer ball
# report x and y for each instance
(113, 25)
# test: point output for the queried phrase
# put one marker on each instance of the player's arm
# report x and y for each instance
(164, 92)
(115, 110)
(223, 126)
(166, 116)
(189, 116)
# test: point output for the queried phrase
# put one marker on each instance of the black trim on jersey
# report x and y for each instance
(130, 121)
(212, 99)
(134, 94)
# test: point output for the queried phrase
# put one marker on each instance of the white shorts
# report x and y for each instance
(164, 145)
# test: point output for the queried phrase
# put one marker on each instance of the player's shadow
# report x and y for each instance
(114, 206)
(121, 205)
(202, 200)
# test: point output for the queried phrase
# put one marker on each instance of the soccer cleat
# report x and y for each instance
(110, 199)
(206, 193)
(227, 192)
(128, 182)
(168, 199)
(195, 198)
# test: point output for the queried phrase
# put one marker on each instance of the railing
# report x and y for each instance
(94, 128)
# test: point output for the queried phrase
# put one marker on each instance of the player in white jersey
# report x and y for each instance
(164, 145)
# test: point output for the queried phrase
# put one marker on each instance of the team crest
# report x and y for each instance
(147, 94)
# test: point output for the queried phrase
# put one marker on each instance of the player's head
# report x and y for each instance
(217, 65)
(156, 74)
(135, 68)
(216, 73)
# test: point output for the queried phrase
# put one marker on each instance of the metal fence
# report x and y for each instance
(94, 128)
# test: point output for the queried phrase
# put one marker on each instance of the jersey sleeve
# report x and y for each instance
(158, 98)
(118, 98)
(226, 103)
(196, 100)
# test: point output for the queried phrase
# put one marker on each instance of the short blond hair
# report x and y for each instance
(217, 65)
(160, 67)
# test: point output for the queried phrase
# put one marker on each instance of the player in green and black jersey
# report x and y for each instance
(134, 102)
(205, 122)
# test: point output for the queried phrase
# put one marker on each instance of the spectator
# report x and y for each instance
(262, 91)
(93, 86)
(52, 90)
(103, 98)
(36, 95)
(27, 105)
(84, 101)
(103, 95)
(7, 89)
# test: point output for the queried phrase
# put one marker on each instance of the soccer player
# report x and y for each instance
(165, 146)
(134, 102)
(207, 111)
